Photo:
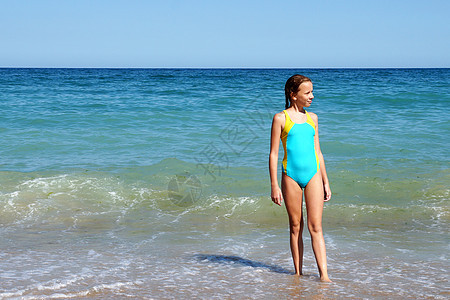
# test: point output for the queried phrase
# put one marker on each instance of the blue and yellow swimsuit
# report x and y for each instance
(300, 160)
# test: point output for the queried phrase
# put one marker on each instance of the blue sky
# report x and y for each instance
(208, 34)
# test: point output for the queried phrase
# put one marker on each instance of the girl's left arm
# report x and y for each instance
(323, 170)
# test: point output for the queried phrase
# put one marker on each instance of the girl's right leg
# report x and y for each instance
(292, 194)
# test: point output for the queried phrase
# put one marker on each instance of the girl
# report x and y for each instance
(303, 171)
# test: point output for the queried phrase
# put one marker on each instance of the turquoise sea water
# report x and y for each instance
(153, 183)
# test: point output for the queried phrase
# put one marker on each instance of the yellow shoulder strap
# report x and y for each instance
(287, 125)
(310, 121)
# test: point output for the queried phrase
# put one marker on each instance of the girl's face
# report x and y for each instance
(304, 96)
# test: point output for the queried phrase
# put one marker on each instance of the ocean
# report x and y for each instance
(153, 184)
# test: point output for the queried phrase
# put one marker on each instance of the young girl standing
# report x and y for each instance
(303, 171)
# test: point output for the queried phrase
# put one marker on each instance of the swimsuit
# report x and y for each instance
(300, 160)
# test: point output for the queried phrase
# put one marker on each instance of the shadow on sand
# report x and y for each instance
(227, 259)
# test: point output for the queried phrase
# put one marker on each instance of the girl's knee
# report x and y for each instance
(296, 227)
(315, 228)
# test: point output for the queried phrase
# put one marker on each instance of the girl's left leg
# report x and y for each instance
(314, 207)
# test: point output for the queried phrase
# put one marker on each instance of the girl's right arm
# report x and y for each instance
(277, 124)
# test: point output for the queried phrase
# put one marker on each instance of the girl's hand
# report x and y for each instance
(276, 195)
(326, 192)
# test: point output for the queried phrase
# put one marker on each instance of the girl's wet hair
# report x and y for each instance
(292, 86)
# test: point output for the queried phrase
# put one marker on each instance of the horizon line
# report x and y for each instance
(225, 68)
